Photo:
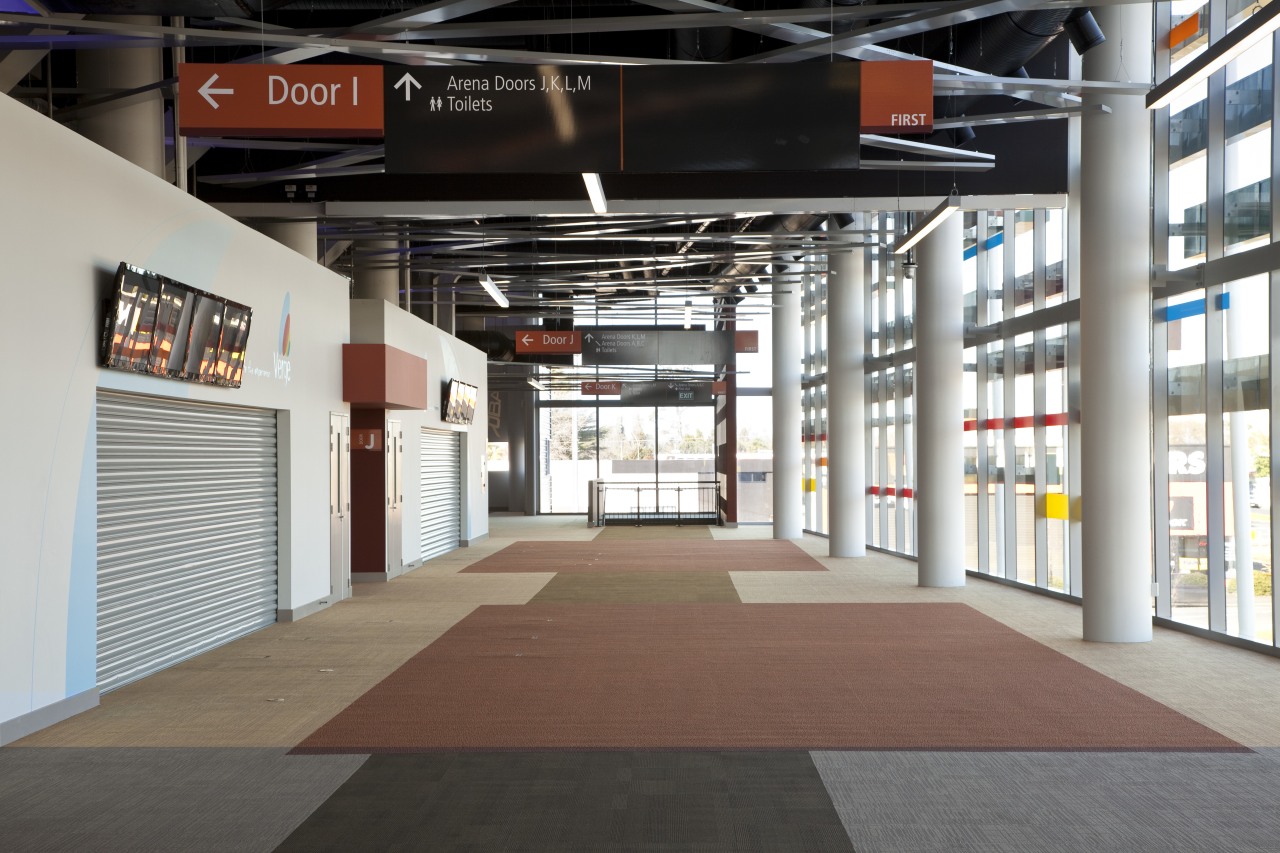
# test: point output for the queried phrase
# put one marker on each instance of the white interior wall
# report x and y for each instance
(375, 321)
(70, 212)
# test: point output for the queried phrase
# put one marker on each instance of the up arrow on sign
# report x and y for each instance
(409, 85)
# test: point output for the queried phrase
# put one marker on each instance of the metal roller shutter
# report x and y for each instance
(187, 530)
(441, 494)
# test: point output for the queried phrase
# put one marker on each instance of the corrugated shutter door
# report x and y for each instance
(441, 525)
(187, 530)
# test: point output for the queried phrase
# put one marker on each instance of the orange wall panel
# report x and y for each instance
(379, 376)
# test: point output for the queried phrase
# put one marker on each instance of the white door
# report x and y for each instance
(339, 506)
(395, 498)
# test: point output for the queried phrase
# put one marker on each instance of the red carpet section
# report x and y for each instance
(764, 555)
(753, 676)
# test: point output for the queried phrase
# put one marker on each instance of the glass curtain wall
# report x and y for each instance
(813, 312)
(1020, 317)
(1213, 362)
(755, 413)
(890, 375)
(1016, 384)
(584, 438)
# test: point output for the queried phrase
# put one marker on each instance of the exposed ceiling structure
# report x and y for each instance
(1001, 85)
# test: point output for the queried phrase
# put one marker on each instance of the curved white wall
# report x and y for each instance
(70, 212)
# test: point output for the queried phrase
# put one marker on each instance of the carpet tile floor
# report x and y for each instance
(677, 702)
(579, 802)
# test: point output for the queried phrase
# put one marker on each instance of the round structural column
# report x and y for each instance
(377, 271)
(846, 402)
(132, 128)
(939, 406)
(299, 236)
(1115, 338)
(422, 301)
(788, 373)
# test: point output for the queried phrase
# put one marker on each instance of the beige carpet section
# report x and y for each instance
(755, 676)
(645, 532)
(639, 587)
(655, 555)
(274, 687)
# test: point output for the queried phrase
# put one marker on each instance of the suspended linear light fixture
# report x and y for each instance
(1260, 24)
(486, 281)
(931, 221)
(536, 384)
(595, 192)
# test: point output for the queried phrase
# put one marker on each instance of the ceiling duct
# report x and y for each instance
(705, 44)
(1000, 46)
(495, 345)
(1083, 30)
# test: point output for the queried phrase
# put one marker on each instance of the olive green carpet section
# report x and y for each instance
(579, 802)
(653, 555)
(646, 532)
(749, 676)
(639, 587)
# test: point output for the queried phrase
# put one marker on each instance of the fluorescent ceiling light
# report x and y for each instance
(536, 384)
(935, 218)
(595, 191)
(486, 281)
(1261, 24)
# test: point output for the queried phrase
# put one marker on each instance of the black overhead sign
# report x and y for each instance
(686, 118)
(603, 345)
(666, 393)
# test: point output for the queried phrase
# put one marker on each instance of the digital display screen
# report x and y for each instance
(156, 325)
(459, 405)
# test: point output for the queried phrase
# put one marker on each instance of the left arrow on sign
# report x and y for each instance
(409, 85)
(208, 91)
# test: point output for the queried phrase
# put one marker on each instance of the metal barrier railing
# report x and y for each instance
(656, 503)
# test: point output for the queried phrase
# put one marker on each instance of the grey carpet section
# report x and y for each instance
(589, 802)
(893, 802)
(106, 800)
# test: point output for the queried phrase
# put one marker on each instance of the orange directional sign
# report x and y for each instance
(280, 100)
(540, 340)
(613, 389)
(897, 96)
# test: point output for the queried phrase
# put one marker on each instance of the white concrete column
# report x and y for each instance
(422, 303)
(1240, 463)
(299, 236)
(846, 403)
(445, 303)
(134, 127)
(377, 271)
(939, 406)
(788, 367)
(1115, 338)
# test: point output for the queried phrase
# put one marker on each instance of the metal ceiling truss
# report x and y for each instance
(643, 260)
